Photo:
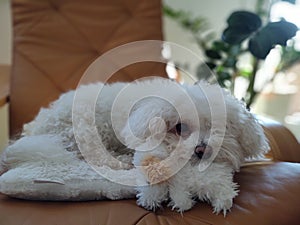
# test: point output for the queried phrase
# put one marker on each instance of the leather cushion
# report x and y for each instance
(268, 195)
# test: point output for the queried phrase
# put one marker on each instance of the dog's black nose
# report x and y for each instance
(200, 149)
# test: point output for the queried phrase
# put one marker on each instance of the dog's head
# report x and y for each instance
(224, 130)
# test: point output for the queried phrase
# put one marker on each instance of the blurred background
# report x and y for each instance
(201, 27)
(268, 82)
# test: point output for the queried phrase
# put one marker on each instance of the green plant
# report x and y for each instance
(195, 25)
(289, 56)
(245, 33)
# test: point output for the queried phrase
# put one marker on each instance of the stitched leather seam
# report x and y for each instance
(47, 76)
(29, 26)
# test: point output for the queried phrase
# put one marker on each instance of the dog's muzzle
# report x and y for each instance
(203, 151)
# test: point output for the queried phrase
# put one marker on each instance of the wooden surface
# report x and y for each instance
(4, 84)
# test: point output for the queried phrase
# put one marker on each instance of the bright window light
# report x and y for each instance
(288, 11)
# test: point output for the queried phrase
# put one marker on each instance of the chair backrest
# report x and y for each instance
(55, 41)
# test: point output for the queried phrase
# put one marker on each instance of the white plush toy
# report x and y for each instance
(152, 138)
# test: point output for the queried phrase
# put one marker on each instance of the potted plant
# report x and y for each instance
(245, 33)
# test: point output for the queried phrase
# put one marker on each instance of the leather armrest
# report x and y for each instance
(284, 146)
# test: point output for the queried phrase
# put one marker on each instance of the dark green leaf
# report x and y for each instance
(250, 21)
(197, 25)
(224, 75)
(186, 20)
(187, 23)
(223, 79)
(211, 65)
(230, 62)
(289, 56)
(171, 12)
(272, 34)
(235, 35)
(234, 50)
(213, 54)
(220, 46)
(221, 83)
(241, 24)
(220, 68)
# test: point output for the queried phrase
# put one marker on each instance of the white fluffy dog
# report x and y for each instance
(185, 141)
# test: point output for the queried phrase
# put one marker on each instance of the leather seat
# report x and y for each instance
(269, 194)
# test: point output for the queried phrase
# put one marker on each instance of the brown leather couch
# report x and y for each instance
(54, 42)
(269, 195)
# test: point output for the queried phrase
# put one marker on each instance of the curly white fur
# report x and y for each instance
(131, 128)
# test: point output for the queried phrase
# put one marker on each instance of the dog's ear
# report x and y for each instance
(249, 132)
(252, 139)
(148, 121)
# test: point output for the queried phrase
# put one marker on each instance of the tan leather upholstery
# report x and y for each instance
(269, 195)
(287, 148)
(56, 40)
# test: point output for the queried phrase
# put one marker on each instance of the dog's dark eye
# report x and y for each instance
(182, 129)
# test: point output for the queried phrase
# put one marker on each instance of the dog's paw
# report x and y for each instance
(181, 205)
(181, 198)
(223, 200)
(148, 203)
(151, 197)
(222, 206)
(155, 170)
(219, 191)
